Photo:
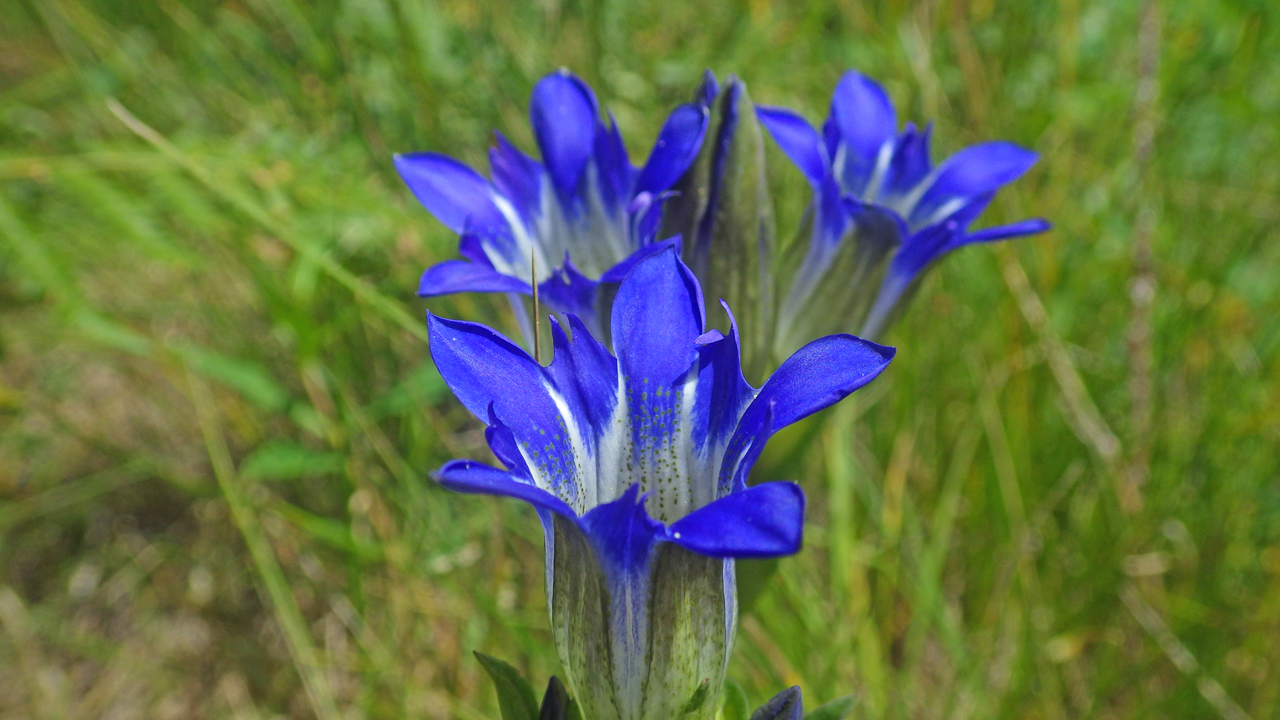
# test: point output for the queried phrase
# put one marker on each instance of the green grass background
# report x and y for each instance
(217, 412)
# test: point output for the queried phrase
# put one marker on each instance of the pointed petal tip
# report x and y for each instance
(853, 75)
(578, 327)
(765, 520)
(475, 478)
(801, 143)
(449, 189)
(564, 113)
(786, 705)
(1032, 226)
(455, 276)
(676, 148)
(880, 356)
(708, 88)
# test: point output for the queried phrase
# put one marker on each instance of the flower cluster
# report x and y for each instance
(581, 216)
(636, 442)
(882, 212)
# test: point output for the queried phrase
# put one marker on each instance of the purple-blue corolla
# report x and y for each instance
(637, 463)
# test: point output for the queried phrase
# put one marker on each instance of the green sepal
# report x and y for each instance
(786, 705)
(515, 694)
(685, 643)
(733, 705)
(837, 709)
(556, 703)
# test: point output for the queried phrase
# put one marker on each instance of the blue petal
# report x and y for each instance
(623, 534)
(922, 248)
(968, 174)
(587, 376)
(927, 246)
(722, 391)
(564, 114)
(969, 211)
(483, 368)
(743, 450)
(786, 705)
(816, 376)
(471, 247)
(675, 150)
(569, 291)
(517, 177)
(1004, 232)
(467, 476)
(657, 315)
(506, 447)
(452, 276)
(867, 123)
(930, 244)
(451, 191)
(831, 136)
(619, 271)
(833, 215)
(615, 174)
(707, 89)
(910, 163)
(766, 520)
(798, 140)
(807, 150)
(645, 215)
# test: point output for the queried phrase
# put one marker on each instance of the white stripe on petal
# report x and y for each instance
(574, 496)
(945, 211)
(526, 246)
(877, 175)
(613, 450)
(905, 204)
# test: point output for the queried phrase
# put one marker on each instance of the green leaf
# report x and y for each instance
(835, 710)
(246, 377)
(327, 531)
(283, 460)
(120, 212)
(111, 333)
(515, 695)
(698, 698)
(423, 386)
(733, 706)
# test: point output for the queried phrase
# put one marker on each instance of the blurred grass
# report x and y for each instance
(217, 412)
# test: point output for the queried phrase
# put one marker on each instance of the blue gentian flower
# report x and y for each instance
(637, 465)
(877, 189)
(583, 200)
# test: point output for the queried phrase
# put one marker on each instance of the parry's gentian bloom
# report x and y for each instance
(882, 212)
(637, 466)
(583, 200)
